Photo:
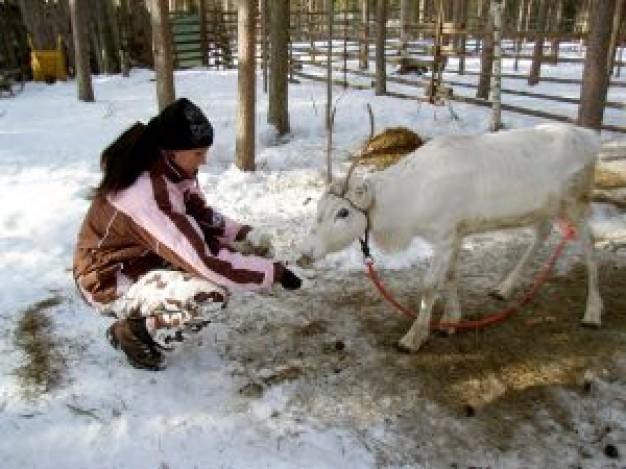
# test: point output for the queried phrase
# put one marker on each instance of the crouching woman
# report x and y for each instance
(150, 251)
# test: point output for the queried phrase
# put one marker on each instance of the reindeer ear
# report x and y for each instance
(362, 195)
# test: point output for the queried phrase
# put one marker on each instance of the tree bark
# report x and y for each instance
(246, 83)
(278, 113)
(109, 38)
(364, 39)
(496, 12)
(81, 51)
(330, 15)
(521, 22)
(486, 58)
(40, 30)
(162, 50)
(140, 38)
(595, 73)
(263, 5)
(124, 28)
(617, 22)
(404, 27)
(381, 23)
(460, 21)
(535, 67)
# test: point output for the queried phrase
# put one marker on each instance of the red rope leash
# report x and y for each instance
(567, 232)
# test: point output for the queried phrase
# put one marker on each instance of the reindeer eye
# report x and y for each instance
(343, 213)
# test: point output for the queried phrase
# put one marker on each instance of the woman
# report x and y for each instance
(150, 252)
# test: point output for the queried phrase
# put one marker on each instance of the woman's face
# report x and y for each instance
(190, 160)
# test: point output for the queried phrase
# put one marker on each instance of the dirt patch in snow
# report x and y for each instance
(509, 383)
(44, 364)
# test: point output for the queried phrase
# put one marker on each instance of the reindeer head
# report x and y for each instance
(341, 217)
(342, 212)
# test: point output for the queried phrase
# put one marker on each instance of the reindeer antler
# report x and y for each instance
(346, 181)
(355, 157)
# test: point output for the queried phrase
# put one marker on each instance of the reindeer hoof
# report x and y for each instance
(404, 349)
(409, 349)
(444, 332)
(590, 325)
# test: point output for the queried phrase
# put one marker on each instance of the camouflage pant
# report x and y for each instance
(181, 300)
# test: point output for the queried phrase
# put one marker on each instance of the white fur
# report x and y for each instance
(457, 185)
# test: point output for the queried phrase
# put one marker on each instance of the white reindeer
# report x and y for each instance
(458, 185)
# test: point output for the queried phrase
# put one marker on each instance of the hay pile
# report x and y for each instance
(610, 182)
(610, 188)
(388, 147)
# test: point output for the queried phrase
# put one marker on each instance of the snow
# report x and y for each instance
(196, 413)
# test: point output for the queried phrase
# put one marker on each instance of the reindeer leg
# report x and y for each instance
(541, 232)
(593, 310)
(452, 311)
(436, 275)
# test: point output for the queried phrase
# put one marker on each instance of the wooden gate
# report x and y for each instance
(198, 43)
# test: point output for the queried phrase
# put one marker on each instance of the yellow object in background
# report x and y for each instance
(48, 65)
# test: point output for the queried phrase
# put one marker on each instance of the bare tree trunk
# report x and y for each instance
(246, 85)
(460, 21)
(617, 23)
(404, 27)
(595, 74)
(381, 26)
(140, 37)
(496, 111)
(108, 36)
(124, 28)
(95, 57)
(521, 22)
(162, 50)
(555, 28)
(263, 4)
(364, 49)
(330, 14)
(278, 113)
(81, 50)
(39, 29)
(535, 67)
(486, 58)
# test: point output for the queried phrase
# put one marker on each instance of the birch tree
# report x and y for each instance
(496, 110)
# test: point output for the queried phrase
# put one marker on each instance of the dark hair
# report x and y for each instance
(126, 158)
(179, 126)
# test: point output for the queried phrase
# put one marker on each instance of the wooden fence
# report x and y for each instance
(214, 45)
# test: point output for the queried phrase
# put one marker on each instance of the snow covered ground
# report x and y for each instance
(279, 380)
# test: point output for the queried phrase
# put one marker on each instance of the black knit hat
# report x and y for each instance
(181, 126)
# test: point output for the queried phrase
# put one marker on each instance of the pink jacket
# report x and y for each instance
(162, 219)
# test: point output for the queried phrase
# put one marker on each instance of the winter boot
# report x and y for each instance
(133, 338)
